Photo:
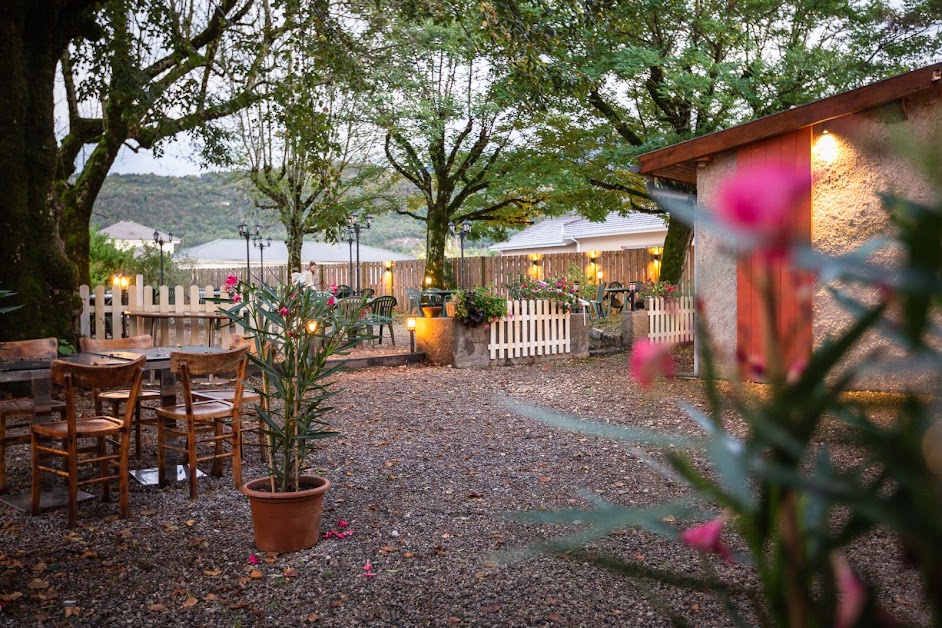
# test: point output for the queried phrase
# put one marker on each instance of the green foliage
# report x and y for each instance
(8, 308)
(583, 284)
(559, 289)
(106, 260)
(294, 332)
(479, 306)
(796, 506)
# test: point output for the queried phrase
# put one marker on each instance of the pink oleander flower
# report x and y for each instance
(236, 298)
(284, 312)
(253, 559)
(649, 361)
(368, 566)
(342, 523)
(759, 200)
(706, 537)
(231, 280)
(331, 301)
(852, 594)
(333, 288)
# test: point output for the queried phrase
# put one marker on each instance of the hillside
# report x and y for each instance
(202, 208)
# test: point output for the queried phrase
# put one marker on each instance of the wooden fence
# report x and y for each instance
(670, 320)
(530, 328)
(623, 266)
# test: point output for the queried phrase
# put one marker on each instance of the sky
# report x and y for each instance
(178, 160)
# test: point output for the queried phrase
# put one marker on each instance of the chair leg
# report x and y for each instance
(3, 454)
(103, 470)
(124, 497)
(236, 449)
(191, 456)
(161, 452)
(218, 450)
(34, 463)
(137, 430)
(73, 482)
(392, 335)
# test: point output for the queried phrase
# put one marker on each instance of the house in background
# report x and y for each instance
(131, 236)
(842, 142)
(576, 234)
(230, 253)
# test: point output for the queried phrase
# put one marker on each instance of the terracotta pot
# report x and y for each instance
(286, 522)
(432, 311)
(450, 308)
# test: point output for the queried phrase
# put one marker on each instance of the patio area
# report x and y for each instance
(428, 463)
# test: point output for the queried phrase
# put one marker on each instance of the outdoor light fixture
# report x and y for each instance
(159, 240)
(598, 275)
(245, 233)
(428, 282)
(356, 225)
(410, 325)
(312, 327)
(120, 281)
(261, 245)
(349, 237)
(826, 147)
(593, 255)
(461, 230)
(387, 266)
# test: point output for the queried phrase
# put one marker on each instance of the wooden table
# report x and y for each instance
(155, 317)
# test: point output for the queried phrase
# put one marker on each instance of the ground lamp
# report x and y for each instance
(358, 224)
(245, 233)
(261, 244)
(159, 240)
(410, 325)
(461, 230)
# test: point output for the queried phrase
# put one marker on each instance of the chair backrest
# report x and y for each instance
(348, 306)
(615, 284)
(145, 341)
(413, 293)
(94, 377)
(367, 293)
(383, 306)
(601, 293)
(344, 291)
(39, 349)
(209, 363)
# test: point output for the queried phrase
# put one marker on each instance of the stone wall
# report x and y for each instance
(445, 341)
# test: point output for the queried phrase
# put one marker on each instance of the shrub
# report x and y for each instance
(558, 289)
(479, 306)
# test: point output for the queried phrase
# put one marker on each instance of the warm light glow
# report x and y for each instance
(428, 281)
(410, 324)
(593, 255)
(312, 327)
(387, 266)
(599, 275)
(120, 281)
(827, 148)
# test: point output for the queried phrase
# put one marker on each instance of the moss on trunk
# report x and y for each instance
(676, 244)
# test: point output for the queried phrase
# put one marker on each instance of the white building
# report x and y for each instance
(576, 234)
(231, 253)
(131, 236)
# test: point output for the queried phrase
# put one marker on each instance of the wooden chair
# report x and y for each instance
(381, 309)
(249, 397)
(117, 397)
(598, 305)
(203, 417)
(106, 430)
(344, 291)
(16, 415)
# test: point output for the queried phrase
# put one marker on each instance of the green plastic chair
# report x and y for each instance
(381, 310)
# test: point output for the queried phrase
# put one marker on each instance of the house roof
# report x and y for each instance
(679, 162)
(224, 250)
(561, 231)
(128, 230)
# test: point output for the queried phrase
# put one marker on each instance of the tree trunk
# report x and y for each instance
(33, 263)
(294, 242)
(676, 245)
(435, 240)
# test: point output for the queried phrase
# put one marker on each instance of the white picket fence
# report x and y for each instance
(530, 328)
(670, 320)
(103, 314)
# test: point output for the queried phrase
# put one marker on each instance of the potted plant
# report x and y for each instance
(479, 306)
(294, 332)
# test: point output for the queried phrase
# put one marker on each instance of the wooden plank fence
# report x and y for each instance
(530, 328)
(670, 320)
(623, 266)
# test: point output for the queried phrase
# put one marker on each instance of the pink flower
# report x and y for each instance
(368, 566)
(853, 595)
(331, 301)
(333, 288)
(231, 280)
(342, 523)
(284, 312)
(649, 361)
(236, 298)
(759, 200)
(706, 537)
(253, 559)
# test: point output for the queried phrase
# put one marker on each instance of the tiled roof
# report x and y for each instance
(127, 230)
(559, 231)
(234, 250)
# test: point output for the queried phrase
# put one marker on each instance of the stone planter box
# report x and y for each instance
(446, 341)
(634, 326)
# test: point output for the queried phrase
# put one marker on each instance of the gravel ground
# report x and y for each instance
(427, 467)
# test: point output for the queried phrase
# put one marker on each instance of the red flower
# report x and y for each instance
(231, 280)
(706, 537)
(236, 298)
(284, 312)
(649, 361)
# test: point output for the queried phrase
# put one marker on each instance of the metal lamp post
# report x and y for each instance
(245, 233)
(461, 231)
(261, 244)
(349, 237)
(357, 225)
(159, 240)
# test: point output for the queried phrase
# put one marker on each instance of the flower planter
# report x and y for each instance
(286, 522)
(450, 308)
(432, 311)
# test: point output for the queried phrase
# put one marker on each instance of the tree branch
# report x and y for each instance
(596, 100)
